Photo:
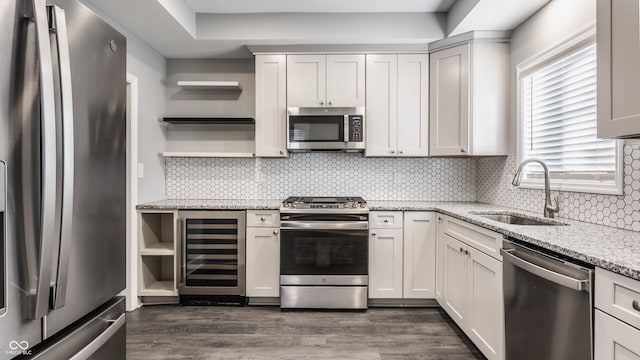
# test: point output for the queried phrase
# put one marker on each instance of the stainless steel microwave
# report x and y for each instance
(325, 128)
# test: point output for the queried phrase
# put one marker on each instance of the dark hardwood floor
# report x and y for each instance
(181, 332)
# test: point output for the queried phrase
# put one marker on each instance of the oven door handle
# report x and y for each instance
(325, 225)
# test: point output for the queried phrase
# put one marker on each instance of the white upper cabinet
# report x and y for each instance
(469, 100)
(325, 80)
(271, 106)
(397, 105)
(618, 68)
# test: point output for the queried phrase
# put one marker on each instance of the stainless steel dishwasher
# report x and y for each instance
(548, 305)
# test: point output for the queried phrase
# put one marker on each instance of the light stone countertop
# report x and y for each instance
(607, 247)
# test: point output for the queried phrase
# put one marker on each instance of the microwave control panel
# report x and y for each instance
(355, 128)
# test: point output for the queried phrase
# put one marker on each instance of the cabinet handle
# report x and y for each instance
(321, 102)
(262, 218)
(462, 150)
(636, 305)
(374, 233)
(275, 232)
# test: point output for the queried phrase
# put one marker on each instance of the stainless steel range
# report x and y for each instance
(324, 253)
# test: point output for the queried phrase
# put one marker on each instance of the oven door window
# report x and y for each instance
(316, 128)
(325, 252)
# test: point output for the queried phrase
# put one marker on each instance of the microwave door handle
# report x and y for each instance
(47, 228)
(346, 128)
(62, 41)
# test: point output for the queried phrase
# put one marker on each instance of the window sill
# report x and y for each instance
(592, 187)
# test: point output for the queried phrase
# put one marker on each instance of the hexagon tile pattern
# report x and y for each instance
(494, 187)
(322, 174)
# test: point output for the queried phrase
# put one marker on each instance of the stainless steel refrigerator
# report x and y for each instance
(62, 182)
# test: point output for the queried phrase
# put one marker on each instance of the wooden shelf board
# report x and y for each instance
(210, 85)
(159, 288)
(208, 154)
(204, 120)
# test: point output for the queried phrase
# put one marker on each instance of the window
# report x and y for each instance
(558, 113)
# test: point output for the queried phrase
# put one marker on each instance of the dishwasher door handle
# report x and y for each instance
(560, 279)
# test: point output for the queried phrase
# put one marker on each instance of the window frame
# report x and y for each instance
(565, 48)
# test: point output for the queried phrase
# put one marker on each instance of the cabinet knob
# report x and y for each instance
(330, 103)
(281, 152)
(636, 305)
(321, 102)
(374, 233)
(439, 219)
(275, 232)
(393, 151)
(386, 220)
(461, 250)
(401, 151)
(466, 252)
(462, 150)
(262, 218)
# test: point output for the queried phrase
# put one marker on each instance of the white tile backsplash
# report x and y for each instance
(494, 187)
(322, 174)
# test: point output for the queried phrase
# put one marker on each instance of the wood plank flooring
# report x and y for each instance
(255, 332)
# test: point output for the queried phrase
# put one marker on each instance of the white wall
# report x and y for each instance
(551, 25)
(150, 68)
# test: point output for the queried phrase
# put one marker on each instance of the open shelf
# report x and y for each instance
(210, 85)
(157, 276)
(208, 154)
(157, 233)
(203, 120)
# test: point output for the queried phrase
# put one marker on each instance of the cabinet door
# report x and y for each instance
(306, 80)
(345, 80)
(449, 101)
(455, 285)
(615, 340)
(382, 110)
(485, 319)
(263, 262)
(271, 106)
(618, 68)
(439, 260)
(385, 264)
(413, 100)
(419, 255)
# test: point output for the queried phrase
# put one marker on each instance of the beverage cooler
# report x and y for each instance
(212, 257)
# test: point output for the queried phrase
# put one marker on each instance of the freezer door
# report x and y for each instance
(100, 336)
(94, 266)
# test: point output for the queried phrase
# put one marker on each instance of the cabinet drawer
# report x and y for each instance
(263, 218)
(618, 296)
(482, 239)
(385, 220)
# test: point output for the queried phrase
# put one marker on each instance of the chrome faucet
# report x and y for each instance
(549, 208)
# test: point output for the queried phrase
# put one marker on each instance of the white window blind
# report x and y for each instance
(559, 121)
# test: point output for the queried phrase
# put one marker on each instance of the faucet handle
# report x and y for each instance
(554, 206)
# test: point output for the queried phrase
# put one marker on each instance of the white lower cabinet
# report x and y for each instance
(617, 316)
(402, 255)
(614, 339)
(385, 264)
(263, 258)
(471, 293)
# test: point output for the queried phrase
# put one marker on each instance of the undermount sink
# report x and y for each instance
(516, 219)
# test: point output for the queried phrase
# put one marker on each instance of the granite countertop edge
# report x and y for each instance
(610, 248)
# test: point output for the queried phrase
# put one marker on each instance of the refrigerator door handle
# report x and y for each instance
(97, 343)
(39, 300)
(66, 101)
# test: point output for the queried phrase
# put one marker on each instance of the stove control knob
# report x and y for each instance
(287, 205)
(345, 205)
(362, 205)
(355, 205)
